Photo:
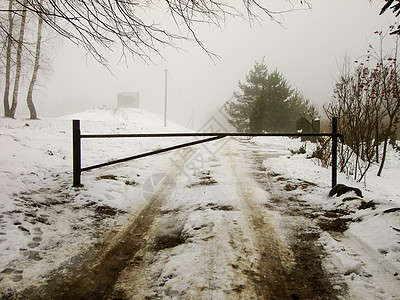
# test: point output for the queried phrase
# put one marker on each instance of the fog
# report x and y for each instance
(307, 49)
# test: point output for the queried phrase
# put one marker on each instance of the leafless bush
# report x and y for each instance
(323, 151)
(360, 112)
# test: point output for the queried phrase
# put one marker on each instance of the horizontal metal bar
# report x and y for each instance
(184, 134)
(151, 153)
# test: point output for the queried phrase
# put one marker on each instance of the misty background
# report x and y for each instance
(308, 48)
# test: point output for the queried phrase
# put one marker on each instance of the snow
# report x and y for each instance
(373, 275)
(44, 221)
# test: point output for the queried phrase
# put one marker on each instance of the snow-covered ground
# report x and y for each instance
(45, 222)
(368, 253)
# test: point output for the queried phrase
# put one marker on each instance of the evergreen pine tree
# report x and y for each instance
(266, 103)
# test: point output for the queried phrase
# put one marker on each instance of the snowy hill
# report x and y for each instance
(136, 120)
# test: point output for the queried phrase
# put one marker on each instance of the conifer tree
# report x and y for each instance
(266, 103)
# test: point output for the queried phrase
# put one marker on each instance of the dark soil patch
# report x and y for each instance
(106, 210)
(365, 205)
(238, 289)
(336, 213)
(203, 180)
(108, 176)
(334, 225)
(207, 181)
(273, 174)
(170, 211)
(308, 280)
(334, 220)
(262, 169)
(168, 241)
(290, 187)
(213, 206)
(130, 182)
(216, 207)
(304, 185)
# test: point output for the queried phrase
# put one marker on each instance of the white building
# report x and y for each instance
(129, 100)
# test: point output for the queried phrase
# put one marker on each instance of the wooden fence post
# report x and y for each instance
(334, 150)
(76, 153)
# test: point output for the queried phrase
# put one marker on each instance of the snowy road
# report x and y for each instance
(231, 219)
(214, 225)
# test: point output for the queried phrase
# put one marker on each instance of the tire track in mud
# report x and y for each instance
(271, 264)
(290, 261)
(93, 275)
(275, 259)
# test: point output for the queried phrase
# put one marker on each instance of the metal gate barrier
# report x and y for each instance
(77, 137)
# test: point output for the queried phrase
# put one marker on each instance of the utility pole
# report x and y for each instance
(165, 94)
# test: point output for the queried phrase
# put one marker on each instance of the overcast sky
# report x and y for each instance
(306, 50)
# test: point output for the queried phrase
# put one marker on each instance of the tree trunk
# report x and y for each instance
(29, 98)
(377, 140)
(385, 142)
(8, 62)
(19, 60)
(387, 135)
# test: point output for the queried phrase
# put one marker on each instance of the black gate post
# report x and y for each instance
(334, 151)
(76, 153)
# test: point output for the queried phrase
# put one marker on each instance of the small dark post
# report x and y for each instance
(334, 151)
(76, 153)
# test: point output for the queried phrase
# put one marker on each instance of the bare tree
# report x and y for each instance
(29, 98)
(387, 87)
(100, 24)
(9, 42)
(367, 101)
(394, 5)
(19, 60)
(359, 109)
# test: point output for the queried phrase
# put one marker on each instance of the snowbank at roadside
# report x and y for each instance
(368, 253)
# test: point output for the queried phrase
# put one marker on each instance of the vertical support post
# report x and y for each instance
(76, 153)
(334, 151)
(165, 96)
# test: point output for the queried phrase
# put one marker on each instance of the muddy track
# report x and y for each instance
(273, 246)
(93, 275)
(291, 263)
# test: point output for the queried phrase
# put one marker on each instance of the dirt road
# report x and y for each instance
(222, 230)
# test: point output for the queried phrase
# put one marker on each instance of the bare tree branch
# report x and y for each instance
(98, 25)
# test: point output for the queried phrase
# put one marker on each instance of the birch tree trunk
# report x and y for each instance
(19, 60)
(8, 61)
(29, 98)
